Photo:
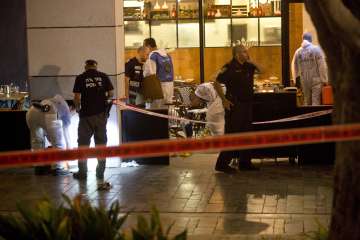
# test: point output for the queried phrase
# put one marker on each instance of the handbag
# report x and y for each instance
(151, 88)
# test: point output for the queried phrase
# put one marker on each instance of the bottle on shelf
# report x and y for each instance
(164, 6)
(157, 6)
(218, 13)
(276, 7)
(209, 13)
(173, 12)
(253, 9)
(147, 9)
(181, 11)
(190, 12)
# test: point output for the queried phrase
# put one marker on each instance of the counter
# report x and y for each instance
(13, 100)
(140, 127)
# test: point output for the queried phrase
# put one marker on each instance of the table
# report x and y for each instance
(13, 100)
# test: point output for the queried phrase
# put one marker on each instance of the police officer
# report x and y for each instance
(92, 89)
(238, 77)
(134, 76)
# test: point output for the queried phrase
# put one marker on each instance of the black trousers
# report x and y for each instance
(238, 119)
(92, 126)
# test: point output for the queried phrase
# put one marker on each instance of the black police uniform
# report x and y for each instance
(239, 81)
(92, 85)
(134, 71)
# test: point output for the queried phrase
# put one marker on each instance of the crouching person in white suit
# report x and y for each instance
(215, 111)
(49, 120)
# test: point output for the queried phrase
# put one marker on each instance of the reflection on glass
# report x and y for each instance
(245, 30)
(135, 33)
(164, 33)
(217, 33)
(188, 33)
(270, 31)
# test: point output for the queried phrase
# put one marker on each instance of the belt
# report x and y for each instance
(44, 108)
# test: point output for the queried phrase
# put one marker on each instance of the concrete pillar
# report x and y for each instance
(62, 35)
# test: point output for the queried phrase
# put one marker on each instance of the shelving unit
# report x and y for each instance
(225, 22)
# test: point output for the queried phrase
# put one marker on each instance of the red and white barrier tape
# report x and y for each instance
(250, 140)
(123, 105)
(299, 117)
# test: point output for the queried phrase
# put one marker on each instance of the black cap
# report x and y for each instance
(91, 62)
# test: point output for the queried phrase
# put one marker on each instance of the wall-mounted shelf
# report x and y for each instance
(239, 20)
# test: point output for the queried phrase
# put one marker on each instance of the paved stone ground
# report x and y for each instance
(280, 199)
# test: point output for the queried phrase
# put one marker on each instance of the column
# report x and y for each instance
(62, 35)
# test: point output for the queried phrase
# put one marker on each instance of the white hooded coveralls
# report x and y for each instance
(51, 125)
(215, 111)
(309, 64)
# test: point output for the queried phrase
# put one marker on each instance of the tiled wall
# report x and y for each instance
(62, 35)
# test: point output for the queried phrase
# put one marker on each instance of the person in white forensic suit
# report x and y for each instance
(309, 68)
(215, 114)
(49, 120)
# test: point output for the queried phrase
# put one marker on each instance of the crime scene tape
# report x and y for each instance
(123, 105)
(248, 140)
(298, 117)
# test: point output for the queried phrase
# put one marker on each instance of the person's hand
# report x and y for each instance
(227, 104)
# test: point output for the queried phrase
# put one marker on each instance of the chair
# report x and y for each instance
(183, 105)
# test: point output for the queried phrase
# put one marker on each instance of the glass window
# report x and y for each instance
(217, 33)
(135, 33)
(188, 33)
(245, 30)
(270, 31)
(164, 32)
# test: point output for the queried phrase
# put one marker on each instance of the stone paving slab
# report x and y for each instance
(280, 199)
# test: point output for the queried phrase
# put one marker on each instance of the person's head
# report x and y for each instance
(150, 43)
(142, 53)
(90, 64)
(307, 36)
(200, 96)
(240, 53)
(195, 101)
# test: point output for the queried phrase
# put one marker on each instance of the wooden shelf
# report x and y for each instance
(206, 18)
